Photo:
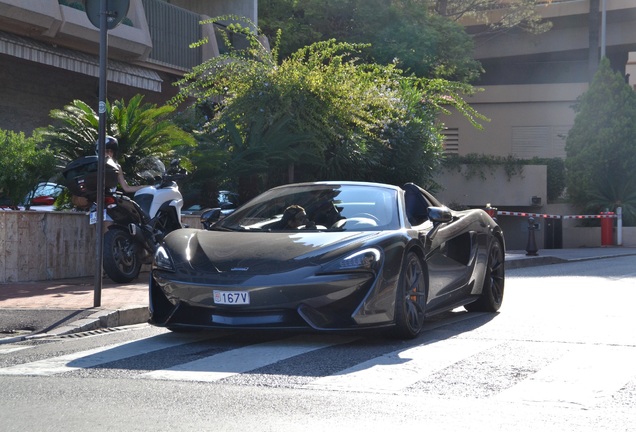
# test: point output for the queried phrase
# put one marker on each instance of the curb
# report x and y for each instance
(534, 262)
(104, 319)
(98, 320)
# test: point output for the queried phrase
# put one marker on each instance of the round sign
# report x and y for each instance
(116, 10)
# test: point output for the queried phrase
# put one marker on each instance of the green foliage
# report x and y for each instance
(25, 162)
(322, 113)
(142, 129)
(480, 165)
(601, 146)
(398, 31)
(73, 4)
(613, 192)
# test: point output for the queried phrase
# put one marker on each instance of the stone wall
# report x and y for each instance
(49, 245)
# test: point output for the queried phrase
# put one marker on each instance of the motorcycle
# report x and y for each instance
(139, 224)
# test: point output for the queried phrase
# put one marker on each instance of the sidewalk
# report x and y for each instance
(126, 304)
(121, 304)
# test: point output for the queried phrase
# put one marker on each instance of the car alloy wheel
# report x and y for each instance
(410, 303)
(494, 281)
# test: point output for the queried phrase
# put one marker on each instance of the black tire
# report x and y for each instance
(121, 258)
(410, 301)
(494, 281)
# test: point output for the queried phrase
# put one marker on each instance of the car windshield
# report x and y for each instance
(48, 189)
(340, 207)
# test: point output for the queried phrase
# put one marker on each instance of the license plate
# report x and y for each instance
(231, 297)
(92, 217)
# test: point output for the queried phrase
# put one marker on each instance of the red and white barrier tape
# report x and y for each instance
(506, 213)
(549, 216)
(612, 216)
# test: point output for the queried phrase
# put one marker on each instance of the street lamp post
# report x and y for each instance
(105, 15)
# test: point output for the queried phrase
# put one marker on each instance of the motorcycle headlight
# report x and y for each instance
(369, 259)
(162, 260)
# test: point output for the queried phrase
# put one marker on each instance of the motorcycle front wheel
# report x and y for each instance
(121, 258)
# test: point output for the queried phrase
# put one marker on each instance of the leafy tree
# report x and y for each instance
(210, 159)
(321, 113)
(25, 162)
(601, 146)
(400, 31)
(424, 37)
(142, 129)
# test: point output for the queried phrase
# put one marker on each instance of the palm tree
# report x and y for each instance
(142, 129)
(611, 192)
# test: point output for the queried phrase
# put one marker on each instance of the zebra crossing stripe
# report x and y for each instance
(584, 377)
(399, 369)
(96, 357)
(9, 350)
(229, 363)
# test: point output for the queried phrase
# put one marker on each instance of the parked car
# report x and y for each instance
(371, 256)
(42, 198)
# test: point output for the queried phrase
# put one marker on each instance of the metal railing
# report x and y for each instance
(172, 30)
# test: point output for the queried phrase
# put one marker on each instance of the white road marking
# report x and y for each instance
(584, 377)
(95, 357)
(9, 350)
(399, 369)
(229, 363)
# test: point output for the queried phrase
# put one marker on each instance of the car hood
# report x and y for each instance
(203, 251)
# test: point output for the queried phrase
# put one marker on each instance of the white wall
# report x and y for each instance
(495, 188)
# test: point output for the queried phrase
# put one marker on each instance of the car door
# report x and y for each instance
(450, 246)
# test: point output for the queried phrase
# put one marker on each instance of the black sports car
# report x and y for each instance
(329, 256)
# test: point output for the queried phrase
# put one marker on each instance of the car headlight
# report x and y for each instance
(162, 260)
(369, 260)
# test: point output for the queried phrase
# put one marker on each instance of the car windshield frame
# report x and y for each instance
(332, 207)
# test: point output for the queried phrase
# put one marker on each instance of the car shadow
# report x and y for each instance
(299, 356)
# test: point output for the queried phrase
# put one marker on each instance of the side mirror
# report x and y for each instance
(209, 217)
(439, 215)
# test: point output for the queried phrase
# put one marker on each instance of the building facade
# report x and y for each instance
(529, 86)
(49, 53)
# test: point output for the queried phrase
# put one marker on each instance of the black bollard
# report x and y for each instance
(531, 247)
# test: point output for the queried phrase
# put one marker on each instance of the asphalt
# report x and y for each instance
(31, 310)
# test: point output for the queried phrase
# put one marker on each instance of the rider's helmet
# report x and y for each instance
(110, 144)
